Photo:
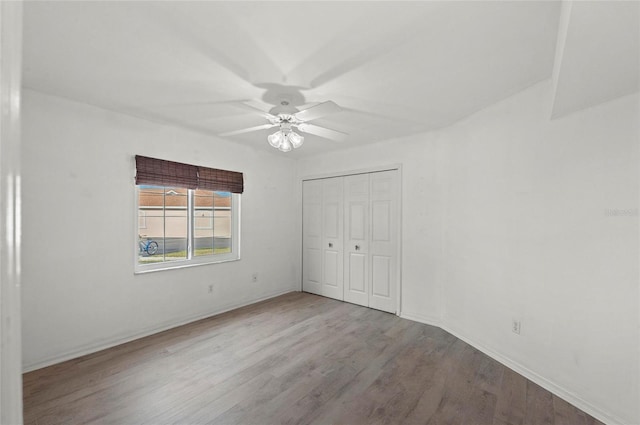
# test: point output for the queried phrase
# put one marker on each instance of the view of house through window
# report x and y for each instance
(212, 222)
(181, 224)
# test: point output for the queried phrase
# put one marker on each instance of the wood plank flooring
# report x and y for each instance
(295, 359)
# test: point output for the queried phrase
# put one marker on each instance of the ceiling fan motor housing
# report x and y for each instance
(284, 107)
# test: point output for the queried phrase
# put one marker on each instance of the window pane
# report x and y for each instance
(163, 212)
(175, 224)
(203, 222)
(212, 222)
(222, 222)
(150, 237)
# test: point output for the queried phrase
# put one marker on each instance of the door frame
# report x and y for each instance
(367, 170)
(10, 204)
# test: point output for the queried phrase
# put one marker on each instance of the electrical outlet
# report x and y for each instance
(515, 326)
(254, 277)
(210, 289)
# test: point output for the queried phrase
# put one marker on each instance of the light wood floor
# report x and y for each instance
(298, 358)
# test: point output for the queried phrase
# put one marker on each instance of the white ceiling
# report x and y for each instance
(600, 54)
(396, 68)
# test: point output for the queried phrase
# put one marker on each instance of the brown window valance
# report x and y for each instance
(222, 180)
(159, 172)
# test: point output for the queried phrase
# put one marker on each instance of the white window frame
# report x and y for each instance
(142, 216)
(192, 260)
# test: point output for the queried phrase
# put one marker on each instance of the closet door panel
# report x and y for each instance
(381, 223)
(357, 276)
(384, 240)
(357, 239)
(381, 276)
(332, 240)
(312, 236)
(331, 269)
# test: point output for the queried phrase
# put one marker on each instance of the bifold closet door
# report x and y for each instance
(322, 239)
(312, 236)
(383, 244)
(356, 233)
(332, 238)
(350, 238)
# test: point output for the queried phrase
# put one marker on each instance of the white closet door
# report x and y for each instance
(332, 241)
(383, 246)
(356, 245)
(312, 236)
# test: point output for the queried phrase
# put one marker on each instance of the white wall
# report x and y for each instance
(79, 290)
(505, 217)
(528, 237)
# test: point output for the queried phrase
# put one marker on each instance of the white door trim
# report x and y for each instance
(374, 169)
(10, 204)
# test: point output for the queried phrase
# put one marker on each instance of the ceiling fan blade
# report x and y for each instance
(320, 110)
(248, 130)
(327, 133)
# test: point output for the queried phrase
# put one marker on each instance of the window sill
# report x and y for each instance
(182, 264)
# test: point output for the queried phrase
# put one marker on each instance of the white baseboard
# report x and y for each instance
(431, 321)
(552, 387)
(103, 345)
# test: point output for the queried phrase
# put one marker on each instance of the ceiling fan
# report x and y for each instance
(289, 118)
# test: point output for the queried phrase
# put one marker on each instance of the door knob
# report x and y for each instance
(330, 245)
(357, 247)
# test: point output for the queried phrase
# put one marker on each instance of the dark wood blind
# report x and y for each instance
(222, 180)
(159, 172)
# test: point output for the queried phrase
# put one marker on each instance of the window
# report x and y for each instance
(185, 226)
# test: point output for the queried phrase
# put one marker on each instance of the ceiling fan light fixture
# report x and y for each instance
(276, 139)
(295, 139)
(285, 139)
(286, 145)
